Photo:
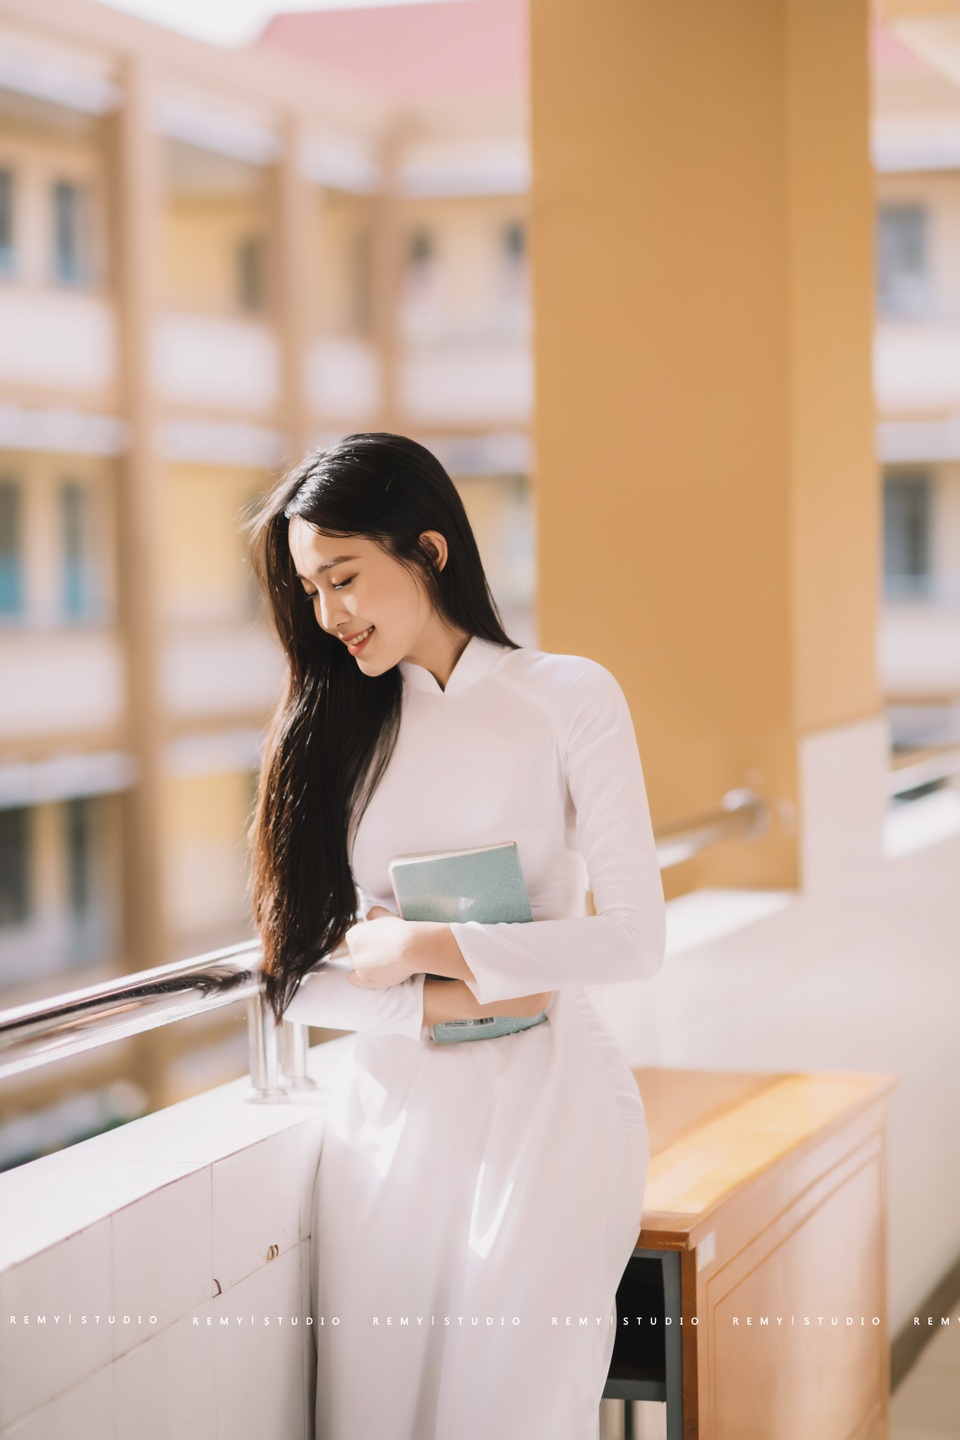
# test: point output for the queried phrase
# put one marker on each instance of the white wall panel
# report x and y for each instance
(59, 682)
(220, 671)
(919, 650)
(57, 339)
(916, 366)
(227, 364)
(342, 379)
(469, 383)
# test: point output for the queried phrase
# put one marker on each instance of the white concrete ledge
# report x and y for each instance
(155, 1280)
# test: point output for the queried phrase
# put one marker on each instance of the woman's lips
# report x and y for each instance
(356, 646)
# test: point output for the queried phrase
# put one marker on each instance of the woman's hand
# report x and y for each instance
(380, 954)
(389, 953)
(445, 1000)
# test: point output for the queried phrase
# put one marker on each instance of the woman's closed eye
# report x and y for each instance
(341, 584)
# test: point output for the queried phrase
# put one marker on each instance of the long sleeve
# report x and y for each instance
(625, 939)
(326, 997)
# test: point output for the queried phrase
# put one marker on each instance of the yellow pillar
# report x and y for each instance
(706, 491)
(387, 262)
(293, 281)
(137, 207)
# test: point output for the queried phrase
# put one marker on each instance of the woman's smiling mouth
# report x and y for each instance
(359, 640)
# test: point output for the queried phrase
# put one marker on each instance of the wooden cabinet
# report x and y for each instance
(761, 1261)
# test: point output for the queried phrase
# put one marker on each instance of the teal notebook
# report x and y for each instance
(485, 885)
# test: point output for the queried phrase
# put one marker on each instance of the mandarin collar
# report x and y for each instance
(477, 658)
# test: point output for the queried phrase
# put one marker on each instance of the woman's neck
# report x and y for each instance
(439, 653)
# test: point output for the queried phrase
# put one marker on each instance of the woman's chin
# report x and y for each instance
(373, 664)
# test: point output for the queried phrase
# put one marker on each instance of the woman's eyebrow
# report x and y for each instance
(328, 565)
(337, 560)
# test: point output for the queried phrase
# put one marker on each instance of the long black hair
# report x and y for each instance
(335, 728)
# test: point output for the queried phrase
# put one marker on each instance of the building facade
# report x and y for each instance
(916, 152)
(209, 262)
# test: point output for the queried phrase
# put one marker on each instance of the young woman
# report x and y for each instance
(476, 1203)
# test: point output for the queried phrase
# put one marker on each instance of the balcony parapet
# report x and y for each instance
(60, 679)
(57, 340)
(184, 1239)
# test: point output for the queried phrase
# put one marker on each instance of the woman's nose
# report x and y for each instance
(331, 613)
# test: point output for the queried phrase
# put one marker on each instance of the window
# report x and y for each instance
(421, 247)
(421, 279)
(249, 259)
(515, 242)
(14, 867)
(6, 222)
(78, 598)
(79, 856)
(513, 272)
(11, 549)
(903, 277)
(907, 534)
(69, 232)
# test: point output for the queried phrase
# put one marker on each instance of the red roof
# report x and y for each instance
(415, 52)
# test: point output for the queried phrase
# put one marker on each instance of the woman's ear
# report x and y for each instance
(437, 544)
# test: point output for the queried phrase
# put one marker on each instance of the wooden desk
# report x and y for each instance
(765, 1217)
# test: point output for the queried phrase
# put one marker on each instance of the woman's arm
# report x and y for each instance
(625, 939)
(451, 1000)
(327, 997)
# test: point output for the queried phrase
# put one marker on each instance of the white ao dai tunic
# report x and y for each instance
(471, 1198)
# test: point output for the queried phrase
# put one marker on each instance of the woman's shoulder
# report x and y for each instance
(568, 683)
(550, 665)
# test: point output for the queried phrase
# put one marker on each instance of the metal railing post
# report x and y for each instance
(293, 1057)
(264, 1037)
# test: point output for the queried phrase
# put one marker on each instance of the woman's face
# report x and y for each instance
(356, 587)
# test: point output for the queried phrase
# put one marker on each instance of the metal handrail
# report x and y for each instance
(131, 1004)
(64, 1025)
(52, 1029)
(742, 815)
(934, 763)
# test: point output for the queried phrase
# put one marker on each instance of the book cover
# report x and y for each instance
(485, 885)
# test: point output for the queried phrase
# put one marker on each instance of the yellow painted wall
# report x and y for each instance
(946, 530)
(205, 577)
(342, 249)
(832, 474)
(498, 508)
(200, 242)
(206, 818)
(706, 491)
(475, 292)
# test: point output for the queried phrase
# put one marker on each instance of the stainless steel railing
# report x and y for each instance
(47, 1030)
(742, 815)
(934, 763)
(52, 1029)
